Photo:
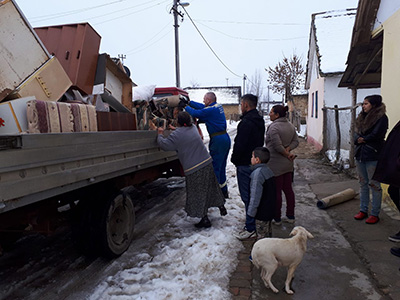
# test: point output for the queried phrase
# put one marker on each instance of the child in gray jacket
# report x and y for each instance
(262, 195)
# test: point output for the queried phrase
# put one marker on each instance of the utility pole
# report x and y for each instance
(122, 57)
(244, 83)
(176, 26)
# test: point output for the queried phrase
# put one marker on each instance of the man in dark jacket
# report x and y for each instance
(250, 134)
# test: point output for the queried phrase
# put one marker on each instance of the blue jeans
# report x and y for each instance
(366, 170)
(243, 178)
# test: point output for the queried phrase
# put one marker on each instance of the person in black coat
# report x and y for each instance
(388, 172)
(250, 134)
(370, 131)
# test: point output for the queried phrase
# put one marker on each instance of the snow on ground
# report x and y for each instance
(303, 130)
(188, 263)
(343, 157)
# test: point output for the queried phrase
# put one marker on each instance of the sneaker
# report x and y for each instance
(222, 210)
(395, 251)
(360, 216)
(277, 222)
(395, 238)
(250, 258)
(290, 220)
(246, 235)
(372, 220)
(204, 223)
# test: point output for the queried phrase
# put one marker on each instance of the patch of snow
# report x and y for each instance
(225, 95)
(343, 157)
(303, 130)
(333, 33)
(188, 263)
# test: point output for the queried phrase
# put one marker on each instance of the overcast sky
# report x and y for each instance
(247, 36)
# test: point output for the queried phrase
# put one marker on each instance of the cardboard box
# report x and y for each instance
(48, 83)
(22, 51)
(13, 116)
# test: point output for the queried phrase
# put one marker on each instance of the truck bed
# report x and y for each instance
(34, 167)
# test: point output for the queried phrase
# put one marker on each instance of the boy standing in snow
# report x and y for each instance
(262, 195)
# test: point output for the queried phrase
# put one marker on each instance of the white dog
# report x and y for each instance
(270, 253)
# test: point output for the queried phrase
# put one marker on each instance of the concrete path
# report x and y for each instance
(347, 259)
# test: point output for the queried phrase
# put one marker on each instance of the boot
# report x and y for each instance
(204, 223)
(222, 210)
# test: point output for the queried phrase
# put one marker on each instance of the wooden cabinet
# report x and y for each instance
(77, 47)
(112, 80)
(21, 51)
(48, 83)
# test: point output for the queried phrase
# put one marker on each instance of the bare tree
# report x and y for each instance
(287, 76)
(194, 83)
(256, 88)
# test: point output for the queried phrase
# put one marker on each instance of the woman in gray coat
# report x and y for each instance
(281, 138)
(202, 187)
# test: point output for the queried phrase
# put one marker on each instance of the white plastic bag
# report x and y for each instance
(143, 92)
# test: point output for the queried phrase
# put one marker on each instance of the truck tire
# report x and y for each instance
(117, 222)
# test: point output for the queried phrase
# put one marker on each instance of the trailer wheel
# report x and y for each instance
(116, 225)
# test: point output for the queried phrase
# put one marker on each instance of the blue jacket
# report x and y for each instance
(262, 193)
(213, 115)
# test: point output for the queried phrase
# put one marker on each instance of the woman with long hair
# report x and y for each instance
(370, 130)
(280, 139)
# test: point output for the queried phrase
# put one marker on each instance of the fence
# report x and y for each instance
(338, 122)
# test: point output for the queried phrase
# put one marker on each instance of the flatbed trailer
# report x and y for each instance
(39, 173)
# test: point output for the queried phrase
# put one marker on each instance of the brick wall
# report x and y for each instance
(231, 109)
(301, 105)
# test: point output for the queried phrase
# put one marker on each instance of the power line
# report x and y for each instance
(125, 9)
(67, 13)
(208, 45)
(254, 23)
(132, 51)
(77, 11)
(250, 39)
(135, 12)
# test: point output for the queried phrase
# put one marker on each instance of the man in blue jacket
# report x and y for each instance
(212, 114)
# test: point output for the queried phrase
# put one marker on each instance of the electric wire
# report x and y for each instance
(129, 14)
(208, 45)
(77, 11)
(254, 23)
(156, 41)
(125, 9)
(250, 39)
(132, 51)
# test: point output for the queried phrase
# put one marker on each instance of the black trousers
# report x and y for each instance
(394, 193)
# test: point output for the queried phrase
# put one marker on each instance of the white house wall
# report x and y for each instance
(342, 98)
(315, 121)
(330, 95)
(391, 68)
